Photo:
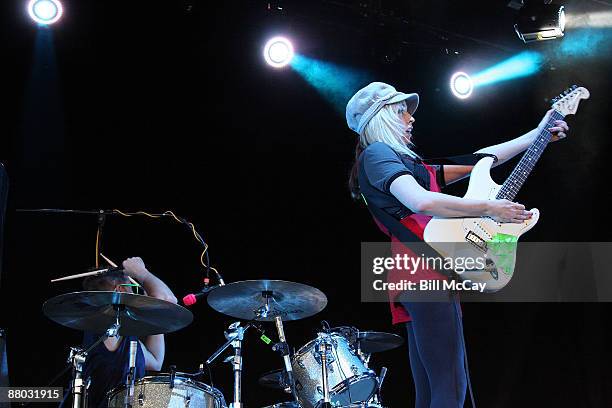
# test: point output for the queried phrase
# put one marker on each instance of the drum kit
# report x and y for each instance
(330, 370)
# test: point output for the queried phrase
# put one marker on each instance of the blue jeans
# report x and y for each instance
(436, 354)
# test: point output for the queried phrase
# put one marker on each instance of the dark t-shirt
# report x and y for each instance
(109, 369)
(379, 166)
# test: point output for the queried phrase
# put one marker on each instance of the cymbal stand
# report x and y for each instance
(283, 348)
(77, 358)
(235, 336)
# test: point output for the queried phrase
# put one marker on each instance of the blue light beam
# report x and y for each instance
(521, 65)
(334, 82)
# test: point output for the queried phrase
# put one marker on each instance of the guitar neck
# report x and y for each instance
(517, 178)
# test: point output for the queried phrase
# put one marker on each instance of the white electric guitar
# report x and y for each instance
(482, 237)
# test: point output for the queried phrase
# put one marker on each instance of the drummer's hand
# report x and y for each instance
(154, 286)
(136, 268)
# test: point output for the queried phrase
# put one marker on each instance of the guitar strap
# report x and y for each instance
(462, 160)
(399, 230)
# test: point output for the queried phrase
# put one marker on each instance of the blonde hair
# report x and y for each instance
(388, 127)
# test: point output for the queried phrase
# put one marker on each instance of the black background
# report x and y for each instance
(168, 105)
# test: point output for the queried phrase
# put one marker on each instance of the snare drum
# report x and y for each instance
(155, 392)
(349, 380)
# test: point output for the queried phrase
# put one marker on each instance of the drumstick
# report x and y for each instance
(80, 275)
(111, 263)
(114, 265)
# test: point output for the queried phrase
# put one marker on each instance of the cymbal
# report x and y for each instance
(96, 311)
(276, 379)
(375, 342)
(246, 300)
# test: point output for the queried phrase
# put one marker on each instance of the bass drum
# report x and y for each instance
(350, 381)
(156, 392)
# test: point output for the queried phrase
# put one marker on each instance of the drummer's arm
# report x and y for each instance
(153, 346)
(154, 349)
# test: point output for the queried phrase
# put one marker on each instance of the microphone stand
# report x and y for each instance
(101, 218)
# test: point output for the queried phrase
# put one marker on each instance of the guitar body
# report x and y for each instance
(480, 237)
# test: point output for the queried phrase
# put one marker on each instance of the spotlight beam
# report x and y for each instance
(523, 64)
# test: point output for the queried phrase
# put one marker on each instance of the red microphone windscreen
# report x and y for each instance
(189, 299)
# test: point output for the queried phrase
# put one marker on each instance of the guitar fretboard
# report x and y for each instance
(515, 181)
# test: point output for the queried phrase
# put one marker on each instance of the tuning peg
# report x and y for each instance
(574, 86)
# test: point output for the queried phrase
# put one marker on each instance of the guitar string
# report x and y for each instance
(526, 165)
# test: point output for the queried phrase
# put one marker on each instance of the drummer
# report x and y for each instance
(107, 365)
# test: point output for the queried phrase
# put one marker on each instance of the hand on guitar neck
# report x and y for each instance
(558, 129)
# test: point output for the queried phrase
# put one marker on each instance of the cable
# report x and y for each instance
(180, 220)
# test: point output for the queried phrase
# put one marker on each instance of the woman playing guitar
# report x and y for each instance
(390, 176)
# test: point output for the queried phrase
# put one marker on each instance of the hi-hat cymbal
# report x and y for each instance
(263, 300)
(375, 342)
(96, 311)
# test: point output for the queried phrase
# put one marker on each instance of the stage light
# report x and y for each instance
(278, 52)
(45, 12)
(539, 22)
(461, 85)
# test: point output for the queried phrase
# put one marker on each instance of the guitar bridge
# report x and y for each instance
(476, 241)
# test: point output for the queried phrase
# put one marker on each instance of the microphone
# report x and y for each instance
(192, 298)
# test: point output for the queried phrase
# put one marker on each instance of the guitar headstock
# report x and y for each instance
(567, 102)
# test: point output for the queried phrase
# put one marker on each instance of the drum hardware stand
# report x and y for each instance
(235, 336)
(77, 358)
(376, 398)
(323, 349)
(172, 376)
(283, 348)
